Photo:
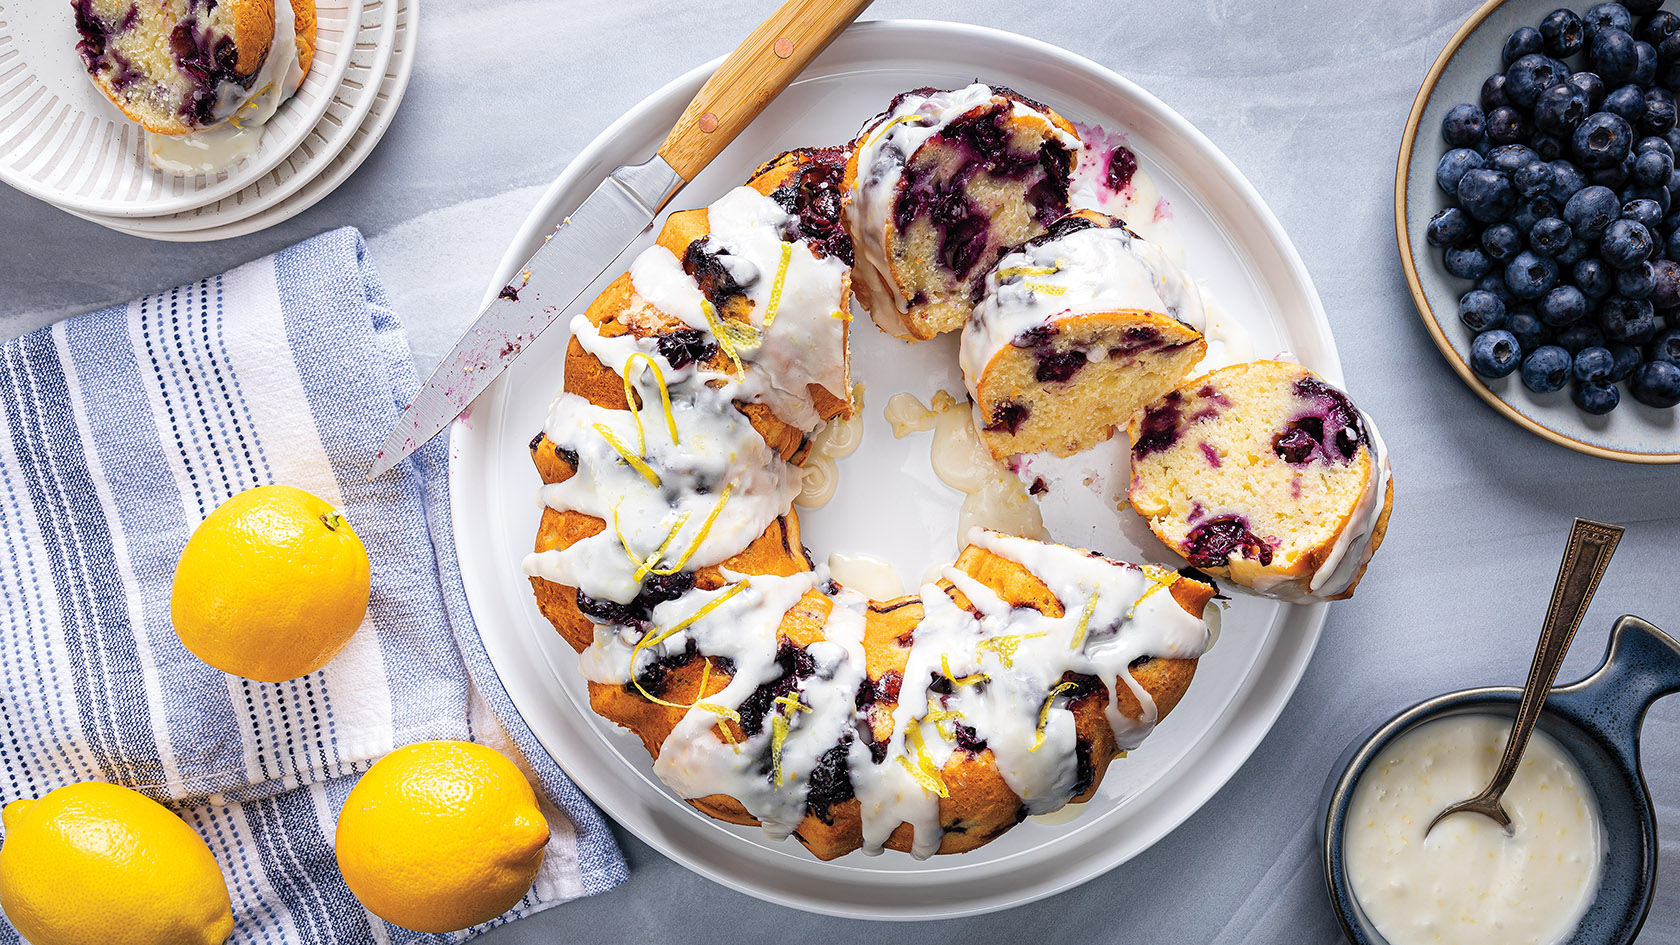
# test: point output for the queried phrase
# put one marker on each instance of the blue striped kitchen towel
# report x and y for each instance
(122, 430)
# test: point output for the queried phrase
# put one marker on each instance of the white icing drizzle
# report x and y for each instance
(890, 140)
(677, 503)
(1092, 270)
(994, 497)
(236, 137)
(839, 438)
(1353, 548)
(870, 575)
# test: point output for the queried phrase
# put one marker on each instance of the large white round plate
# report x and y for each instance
(62, 140)
(889, 501)
(1633, 432)
(324, 170)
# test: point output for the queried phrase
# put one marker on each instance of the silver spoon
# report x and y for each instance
(1584, 559)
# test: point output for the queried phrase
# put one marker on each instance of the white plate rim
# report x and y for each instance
(238, 177)
(1298, 629)
(388, 95)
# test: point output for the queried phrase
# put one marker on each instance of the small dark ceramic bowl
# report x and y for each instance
(1597, 721)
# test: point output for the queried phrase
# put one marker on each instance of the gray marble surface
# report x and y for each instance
(1308, 98)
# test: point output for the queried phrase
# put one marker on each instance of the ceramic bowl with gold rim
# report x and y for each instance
(1633, 432)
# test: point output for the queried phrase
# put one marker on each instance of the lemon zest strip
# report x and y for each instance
(923, 769)
(776, 289)
(780, 724)
(1004, 645)
(730, 334)
(972, 680)
(1013, 271)
(1044, 712)
(664, 397)
(1084, 622)
(636, 462)
(943, 720)
(705, 528)
(844, 316)
(915, 116)
(1158, 578)
(645, 567)
(625, 544)
(1047, 288)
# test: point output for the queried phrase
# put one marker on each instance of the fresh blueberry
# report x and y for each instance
(1508, 125)
(1613, 15)
(1563, 305)
(1557, 111)
(1614, 176)
(1467, 262)
(1638, 282)
(1529, 275)
(1652, 168)
(1655, 195)
(1452, 166)
(1493, 92)
(1657, 384)
(1529, 331)
(1626, 243)
(1588, 212)
(1448, 227)
(1673, 136)
(1509, 158)
(1488, 196)
(1674, 178)
(1672, 246)
(1627, 358)
(1644, 211)
(1501, 241)
(1495, 353)
(1665, 291)
(1576, 251)
(1654, 143)
(1548, 147)
(1594, 279)
(1546, 369)
(1527, 76)
(1612, 52)
(1628, 102)
(1582, 334)
(1645, 71)
(1495, 282)
(1566, 179)
(1593, 366)
(1521, 42)
(1549, 237)
(1563, 32)
(1659, 113)
(1653, 29)
(1533, 179)
(1588, 82)
(1463, 126)
(1602, 140)
(1595, 399)
(1627, 321)
(1665, 347)
(1480, 310)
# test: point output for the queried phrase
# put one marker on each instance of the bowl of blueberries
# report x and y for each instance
(1537, 204)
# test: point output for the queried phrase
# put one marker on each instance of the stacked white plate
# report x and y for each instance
(62, 140)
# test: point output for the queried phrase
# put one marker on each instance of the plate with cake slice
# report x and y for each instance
(914, 488)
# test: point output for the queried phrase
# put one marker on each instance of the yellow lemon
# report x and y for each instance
(98, 864)
(271, 586)
(440, 836)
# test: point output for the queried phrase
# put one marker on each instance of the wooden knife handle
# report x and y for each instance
(756, 72)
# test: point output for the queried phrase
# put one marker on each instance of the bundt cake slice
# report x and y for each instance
(1264, 474)
(178, 66)
(1078, 329)
(938, 185)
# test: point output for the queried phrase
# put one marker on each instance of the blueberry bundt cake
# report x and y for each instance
(669, 557)
(1264, 474)
(203, 76)
(938, 185)
(1078, 329)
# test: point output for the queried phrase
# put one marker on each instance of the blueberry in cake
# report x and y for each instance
(1263, 474)
(937, 187)
(1078, 328)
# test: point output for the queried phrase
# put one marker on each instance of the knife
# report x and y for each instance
(624, 206)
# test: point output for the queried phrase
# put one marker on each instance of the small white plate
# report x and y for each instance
(62, 140)
(889, 501)
(386, 34)
(1633, 432)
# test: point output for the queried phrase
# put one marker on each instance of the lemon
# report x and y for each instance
(439, 836)
(98, 864)
(271, 586)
